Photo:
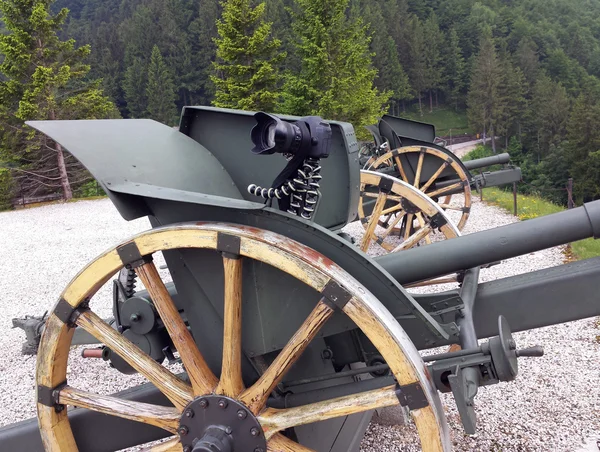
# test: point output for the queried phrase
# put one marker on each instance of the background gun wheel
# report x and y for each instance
(433, 172)
(397, 216)
(278, 251)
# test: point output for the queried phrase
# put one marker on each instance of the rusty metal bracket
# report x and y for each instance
(335, 296)
(67, 313)
(228, 245)
(131, 257)
(412, 396)
(49, 396)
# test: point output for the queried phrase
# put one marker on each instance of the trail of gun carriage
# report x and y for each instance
(305, 281)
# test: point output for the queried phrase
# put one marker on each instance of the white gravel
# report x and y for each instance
(553, 406)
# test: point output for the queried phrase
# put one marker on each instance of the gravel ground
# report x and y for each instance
(554, 404)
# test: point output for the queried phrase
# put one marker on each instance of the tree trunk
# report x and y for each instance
(420, 105)
(62, 169)
(403, 106)
(430, 102)
(492, 135)
(436, 99)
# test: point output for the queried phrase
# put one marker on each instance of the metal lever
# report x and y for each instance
(535, 351)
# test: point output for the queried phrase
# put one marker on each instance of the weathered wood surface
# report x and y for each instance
(201, 377)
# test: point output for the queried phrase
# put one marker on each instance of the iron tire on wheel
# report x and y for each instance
(287, 255)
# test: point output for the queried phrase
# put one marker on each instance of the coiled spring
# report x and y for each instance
(303, 189)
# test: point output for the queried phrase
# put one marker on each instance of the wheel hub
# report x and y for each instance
(215, 423)
(408, 206)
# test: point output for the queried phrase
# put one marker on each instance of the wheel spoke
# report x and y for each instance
(256, 396)
(401, 168)
(164, 417)
(273, 421)
(173, 445)
(231, 383)
(373, 221)
(202, 379)
(392, 209)
(369, 194)
(450, 207)
(422, 224)
(393, 224)
(414, 239)
(434, 177)
(408, 225)
(280, 443)
(442, 190)
(175, 389)
(419, 168)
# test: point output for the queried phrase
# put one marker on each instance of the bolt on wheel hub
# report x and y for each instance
(216, 423)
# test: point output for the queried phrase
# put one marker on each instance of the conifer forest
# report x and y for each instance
(524, 72)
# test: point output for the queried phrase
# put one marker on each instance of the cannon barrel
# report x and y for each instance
(499, 159)
(484, 247)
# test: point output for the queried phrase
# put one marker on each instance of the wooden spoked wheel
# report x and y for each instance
(405, 214)
(443, 167)
(303, 263)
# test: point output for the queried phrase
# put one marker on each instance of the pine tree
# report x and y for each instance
(550, 113)
(433, 69)
(134, 86)
(418, 62)
(336, 80)
(160, 90)
(203, 32)
(246, 75)
(454, 69)
(512, 102)
(393, 77)
(43, 77)
(484, 104)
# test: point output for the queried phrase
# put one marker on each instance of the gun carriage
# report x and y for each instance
(405, 150)
(289, 335)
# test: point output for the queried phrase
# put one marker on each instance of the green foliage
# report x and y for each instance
(90, 189)
(484, 98)
(479, 152)
(336, 79)
(160, 91)
(135, 88)
(6, 189)
(43, 77)
(454, 70)
(246, 70)
(447, 121)
(530, 206)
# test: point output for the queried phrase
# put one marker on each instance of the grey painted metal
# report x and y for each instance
(481, 248)
(468, 291)
(593, 212)
(90, 428)
(226, 133)
(497, 178)
(546, 297)
(141, 151)
(406, 128)
(499, 159)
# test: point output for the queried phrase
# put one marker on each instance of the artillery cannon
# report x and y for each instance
(289, 335)
(405, 150)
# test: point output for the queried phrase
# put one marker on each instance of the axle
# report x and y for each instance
(484, 247)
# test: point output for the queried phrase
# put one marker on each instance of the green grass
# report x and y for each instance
(532, 207)
(445, 120)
